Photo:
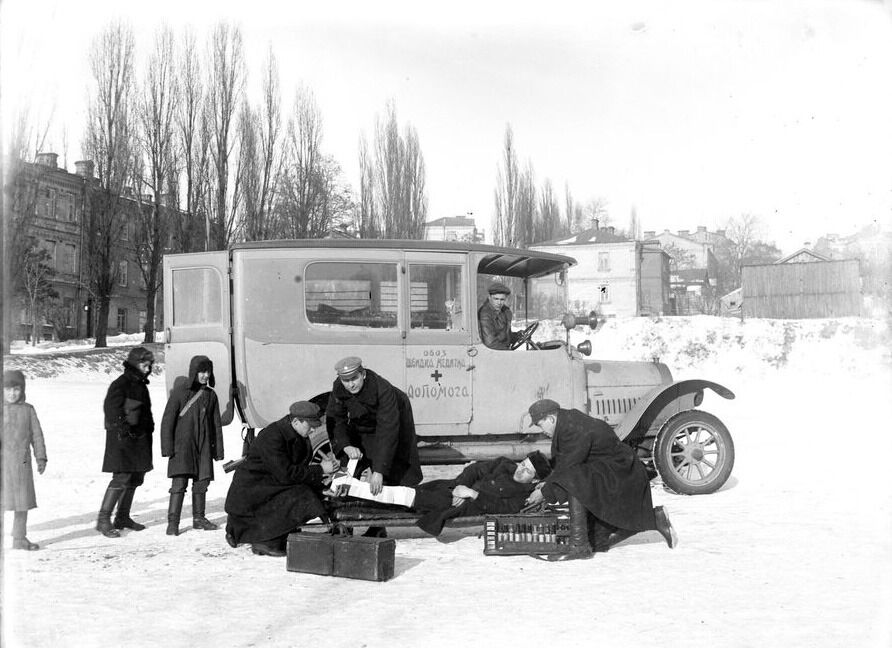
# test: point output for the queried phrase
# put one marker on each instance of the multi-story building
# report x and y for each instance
(56, 203)
(694, 268)
(453, 228)
(615, 275)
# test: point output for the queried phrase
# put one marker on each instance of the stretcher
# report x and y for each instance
(348, 513)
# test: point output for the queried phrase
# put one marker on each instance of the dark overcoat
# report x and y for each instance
(21, 431)
(128, 423)
(275, 489)
(494, 482)
(495, 326)
(379, 421)
(593, 465)
(191, 431)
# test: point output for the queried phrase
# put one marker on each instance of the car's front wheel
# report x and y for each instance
(694, 453)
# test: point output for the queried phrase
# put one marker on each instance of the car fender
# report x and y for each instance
(663, 402)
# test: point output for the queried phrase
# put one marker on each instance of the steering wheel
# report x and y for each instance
(524, 337)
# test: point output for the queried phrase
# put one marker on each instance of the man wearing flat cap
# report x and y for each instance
(372, 419)
(494, 318)
(598, 475)
(275, 489)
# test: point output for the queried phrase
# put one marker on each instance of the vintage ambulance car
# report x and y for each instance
(275, 317)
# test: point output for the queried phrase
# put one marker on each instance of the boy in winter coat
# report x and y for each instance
(192, 436)
(21, 430)
(128, 441)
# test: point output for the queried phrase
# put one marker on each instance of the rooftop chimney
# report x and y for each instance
(701, 229)
(720, 232)
(684, 233)
(610, 229)
(596, 223)
(47, 160)
(84, 168)
(648, 234)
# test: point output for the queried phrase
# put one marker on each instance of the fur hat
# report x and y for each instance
(139, 354)
(540, 463)
(15, 378)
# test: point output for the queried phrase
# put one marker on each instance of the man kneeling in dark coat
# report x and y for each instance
(275, 489)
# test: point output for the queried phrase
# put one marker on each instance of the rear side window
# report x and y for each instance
(352, 294)
(435, 294)
(196, 296)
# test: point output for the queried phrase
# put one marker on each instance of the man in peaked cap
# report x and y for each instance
(494, 318)
(371, 419)
(276, 489)
(599, 476)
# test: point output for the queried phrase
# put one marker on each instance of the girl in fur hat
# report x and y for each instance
(21, 431)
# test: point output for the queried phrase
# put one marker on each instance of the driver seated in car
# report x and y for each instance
(494, 318)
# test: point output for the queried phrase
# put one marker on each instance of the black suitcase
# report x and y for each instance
(364, 558)
(310, 553)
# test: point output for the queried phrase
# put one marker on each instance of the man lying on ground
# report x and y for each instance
(497, 486)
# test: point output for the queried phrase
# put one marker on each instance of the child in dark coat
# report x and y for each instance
(21, 431)
(192, 436)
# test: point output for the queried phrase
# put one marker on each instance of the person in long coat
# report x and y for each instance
(373, 419)
(192, 438)
(128, 441)
(21, 432)
(276, 489)
(495, 486)
(597, 474)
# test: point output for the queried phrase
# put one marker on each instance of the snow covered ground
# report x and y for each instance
(794, 551)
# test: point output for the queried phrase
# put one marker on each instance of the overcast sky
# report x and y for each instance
(691, 112)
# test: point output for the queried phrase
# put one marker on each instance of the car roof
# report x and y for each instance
(509, 262)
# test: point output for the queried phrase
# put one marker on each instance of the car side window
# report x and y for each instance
(352, 294)
(435, 297)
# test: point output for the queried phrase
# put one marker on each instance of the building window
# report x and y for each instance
(50, 247)
(603, 261)
(122, 320)
(604, 293)
(141, 318)
(46, 205)
(65, 207)
(122, 274)
(67, 258)
(125, 232)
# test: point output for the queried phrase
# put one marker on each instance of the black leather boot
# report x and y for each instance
(103, 520)
(579, 548)
(664, 526)
(199, 521)
(174, 509)
(122, 517)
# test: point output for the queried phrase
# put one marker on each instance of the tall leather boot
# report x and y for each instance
(19, 528)
(103, 520)
(199, 521)
(174, 509)
(122, 517)
(579, 548)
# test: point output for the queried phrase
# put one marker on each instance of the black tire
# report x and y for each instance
(694, 453)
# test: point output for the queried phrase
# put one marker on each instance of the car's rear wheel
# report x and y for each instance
(694, 453)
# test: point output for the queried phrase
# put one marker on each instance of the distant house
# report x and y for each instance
(615, 275)
(803, 256)
(872, 246)
(694, 267)
(453, 228)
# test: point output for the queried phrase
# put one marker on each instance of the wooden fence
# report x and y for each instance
(802, 290)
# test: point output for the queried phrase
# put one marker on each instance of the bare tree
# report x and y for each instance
(193, 144)
(37, 286)
(367, 219)
(399, 178)
(506, 194)
(108, 143)
(156, 108)
(261, 156)
(595, 212)
(526, 208)
(548, 225)
(224, 90)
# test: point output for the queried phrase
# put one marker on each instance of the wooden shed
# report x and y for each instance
(802, 290)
